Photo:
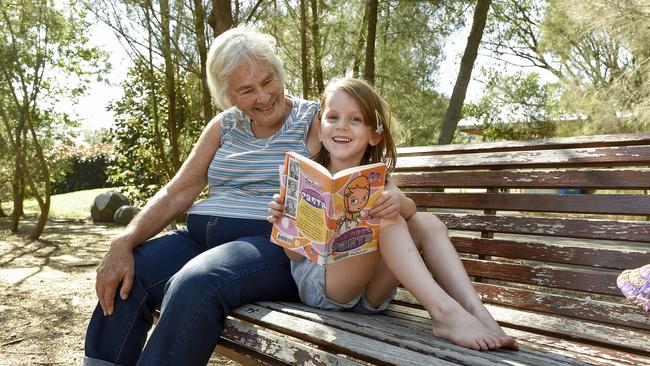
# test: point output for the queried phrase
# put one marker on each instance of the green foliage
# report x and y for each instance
(45, 59)
(86, 166)
(515, 107)
(138, 163)
(410, 38)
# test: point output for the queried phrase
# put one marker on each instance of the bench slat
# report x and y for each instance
(583, 280)
(592, 310)
(548, 252)
(603, 179)
(391, 331)
(563, 327)
(631, 231)
(546, 144)
(543, 344)
(279, 346)
(615, 204)
(401, 332)
(366, 349)
(563, 158)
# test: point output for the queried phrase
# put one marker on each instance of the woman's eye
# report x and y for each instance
(356, 120)
(365, 198)
(354, 201)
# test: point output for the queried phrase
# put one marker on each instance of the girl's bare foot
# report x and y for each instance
(458, 326)
(484, 316)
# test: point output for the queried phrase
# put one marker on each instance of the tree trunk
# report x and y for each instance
(315, 32)
(357, 55)
(304, 56)
(201, 44)
(369, 67)
(161, 162)
(43, 204)
(220, 19)
(170, 84)
(455, 109)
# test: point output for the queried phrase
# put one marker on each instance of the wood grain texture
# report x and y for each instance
(612, 204)
(563, 158)
(633, 231)
(540, 179)
(552, 252)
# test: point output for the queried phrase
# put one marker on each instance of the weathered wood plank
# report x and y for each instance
(563, 158)
(279, 347)
(552, 143)
(549, 252)
(401, 333)
(339, 340)
(545, 345)
(244, 356)
(608, 204)
(608, 336)
(539, 179)
(600, 281)
(632, 231)
(573, 307)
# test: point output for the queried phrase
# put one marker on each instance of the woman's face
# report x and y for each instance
(257, 91)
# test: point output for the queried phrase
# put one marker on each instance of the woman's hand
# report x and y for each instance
(387, 205)
(276, 209)
(117, 266)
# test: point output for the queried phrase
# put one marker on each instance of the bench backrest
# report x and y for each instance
(544, 226)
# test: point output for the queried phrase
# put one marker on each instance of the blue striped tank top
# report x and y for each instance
(243, 175)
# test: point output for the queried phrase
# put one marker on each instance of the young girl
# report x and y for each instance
(355, 130)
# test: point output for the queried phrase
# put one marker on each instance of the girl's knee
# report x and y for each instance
(427, 222)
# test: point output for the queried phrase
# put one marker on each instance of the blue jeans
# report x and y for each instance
(195, 277)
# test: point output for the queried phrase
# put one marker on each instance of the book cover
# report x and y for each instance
(326, 217)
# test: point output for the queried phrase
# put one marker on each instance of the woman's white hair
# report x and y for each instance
(228, 50)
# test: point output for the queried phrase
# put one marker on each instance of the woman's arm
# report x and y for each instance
(166, 205)
(313, 138)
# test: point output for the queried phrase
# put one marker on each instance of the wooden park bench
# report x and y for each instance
(543, 228)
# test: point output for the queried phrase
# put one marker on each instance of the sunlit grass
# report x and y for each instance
(73, 205)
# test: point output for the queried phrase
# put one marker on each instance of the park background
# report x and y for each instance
(111, 94)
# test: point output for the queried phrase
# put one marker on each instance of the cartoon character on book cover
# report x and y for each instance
(326, 220)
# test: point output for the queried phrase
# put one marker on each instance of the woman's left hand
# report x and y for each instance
(387, 205)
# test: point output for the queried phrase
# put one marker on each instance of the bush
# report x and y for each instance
(85, 167)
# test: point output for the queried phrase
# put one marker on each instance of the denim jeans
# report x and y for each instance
(195, 277)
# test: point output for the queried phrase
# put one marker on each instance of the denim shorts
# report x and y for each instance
(310, 280)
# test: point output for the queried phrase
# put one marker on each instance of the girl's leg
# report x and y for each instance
(431, 237)
(450, 320)
(346, 279)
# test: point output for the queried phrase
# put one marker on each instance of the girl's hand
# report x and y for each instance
(387, 205)
(276, 209)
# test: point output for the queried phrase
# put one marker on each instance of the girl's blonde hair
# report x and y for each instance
(376, 112)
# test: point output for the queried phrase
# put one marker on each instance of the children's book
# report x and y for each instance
(326, 216)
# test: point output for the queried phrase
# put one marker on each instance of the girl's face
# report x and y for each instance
(344, 132)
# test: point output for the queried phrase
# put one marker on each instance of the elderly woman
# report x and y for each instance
(224, 258)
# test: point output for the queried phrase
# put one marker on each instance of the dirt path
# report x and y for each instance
(47, 292)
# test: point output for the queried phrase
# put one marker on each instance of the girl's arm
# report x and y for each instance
(276, 211)
(393, 202)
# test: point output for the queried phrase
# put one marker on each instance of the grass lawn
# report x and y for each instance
(73, 205)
